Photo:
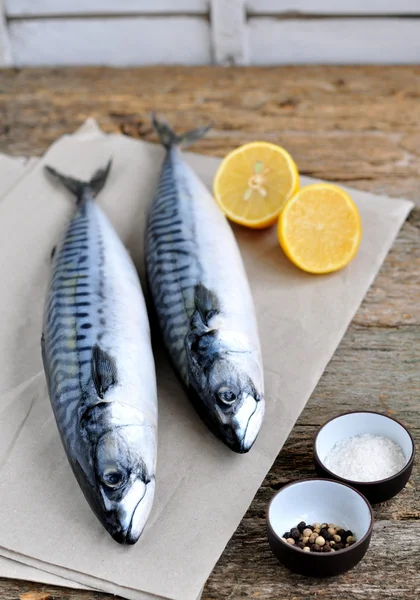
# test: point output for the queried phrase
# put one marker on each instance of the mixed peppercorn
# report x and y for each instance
(319, 537)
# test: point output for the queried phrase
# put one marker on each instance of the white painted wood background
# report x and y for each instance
(256, 32)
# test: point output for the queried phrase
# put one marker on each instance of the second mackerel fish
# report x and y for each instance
(203, 301)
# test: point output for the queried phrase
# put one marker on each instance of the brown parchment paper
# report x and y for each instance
(203, 489)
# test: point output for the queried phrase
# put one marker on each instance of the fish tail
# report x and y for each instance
(78, 187)
(169, 138)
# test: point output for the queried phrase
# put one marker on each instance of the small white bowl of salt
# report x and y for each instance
(367, 450)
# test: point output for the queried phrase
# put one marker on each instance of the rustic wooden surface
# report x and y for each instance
(358, 125)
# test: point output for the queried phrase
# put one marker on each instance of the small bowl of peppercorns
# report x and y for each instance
(319, 527)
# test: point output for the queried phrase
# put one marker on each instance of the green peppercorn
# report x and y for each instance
(351, 539)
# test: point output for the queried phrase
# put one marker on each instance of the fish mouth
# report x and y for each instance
(253, 426)
(130, 534)
(246, 425)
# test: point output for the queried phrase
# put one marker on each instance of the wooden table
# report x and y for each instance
(358, 125)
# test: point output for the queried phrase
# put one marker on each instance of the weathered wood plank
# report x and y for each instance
(263, 578)
(333, 41)
(323, 116)
(332, 7)
(110, 41)
(355, 125)
(40, 8)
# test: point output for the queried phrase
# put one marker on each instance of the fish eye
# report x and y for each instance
(226, 395)
(113, 478)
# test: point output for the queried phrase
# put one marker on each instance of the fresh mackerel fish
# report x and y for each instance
(99, 366)
(203, 301)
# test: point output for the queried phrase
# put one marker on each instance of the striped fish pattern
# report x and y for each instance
(99, 366)
(203, 301)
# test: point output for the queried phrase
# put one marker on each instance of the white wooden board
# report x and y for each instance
(5, 49)
(37, 8)
(333, 7)
(228, 27)
(334, 41)
(110, 41)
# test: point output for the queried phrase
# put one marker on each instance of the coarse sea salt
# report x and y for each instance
(365, 457)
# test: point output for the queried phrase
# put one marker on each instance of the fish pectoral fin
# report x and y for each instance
(54, 248)
(206, 303)
(203, 347)
(104, 370)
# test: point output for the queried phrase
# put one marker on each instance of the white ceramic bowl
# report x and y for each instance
(319, 500)
(358, 423)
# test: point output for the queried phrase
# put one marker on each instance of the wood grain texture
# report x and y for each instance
(359, 126)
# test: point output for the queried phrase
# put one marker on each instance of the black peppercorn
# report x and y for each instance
(301, 526)
(314, 538)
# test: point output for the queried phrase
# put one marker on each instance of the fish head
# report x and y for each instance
(227, 389)
(120, 488)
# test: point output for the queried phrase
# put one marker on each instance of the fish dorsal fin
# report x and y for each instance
(103, 369)
(206, 303)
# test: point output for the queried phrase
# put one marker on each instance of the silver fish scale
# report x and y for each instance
(75, 316)
(172, 261)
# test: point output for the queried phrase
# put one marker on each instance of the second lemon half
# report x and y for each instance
(253, 183)
(320, 228)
